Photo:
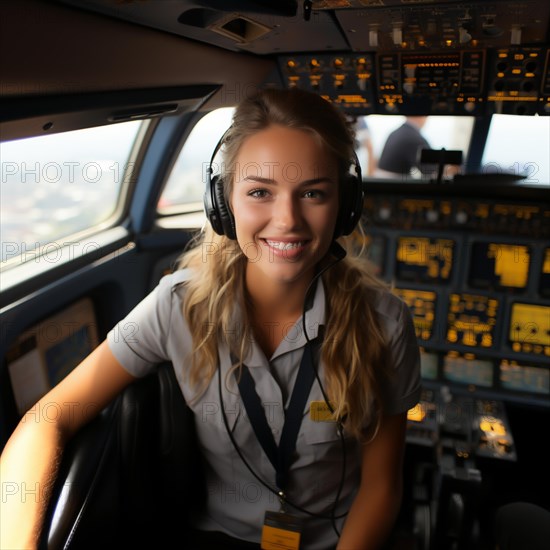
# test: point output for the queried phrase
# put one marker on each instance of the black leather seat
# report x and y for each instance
(133, 476)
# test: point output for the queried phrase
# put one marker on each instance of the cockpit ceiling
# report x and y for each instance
(266, 27)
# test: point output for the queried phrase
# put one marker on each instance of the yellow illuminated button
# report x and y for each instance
(492, 426)
(416, 414)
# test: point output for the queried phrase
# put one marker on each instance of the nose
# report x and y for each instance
(287, 213)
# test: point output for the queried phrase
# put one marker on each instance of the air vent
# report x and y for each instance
(198, 17)
(239, 28)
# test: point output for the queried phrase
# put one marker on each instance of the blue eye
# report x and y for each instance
(314, 194)
(258, 193)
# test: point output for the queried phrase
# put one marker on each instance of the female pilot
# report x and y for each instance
(298, 364)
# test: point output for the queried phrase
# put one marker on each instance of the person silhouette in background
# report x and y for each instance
(365, 148)
(400, 153)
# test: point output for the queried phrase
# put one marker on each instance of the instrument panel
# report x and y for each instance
(471, 81)
(475, 275)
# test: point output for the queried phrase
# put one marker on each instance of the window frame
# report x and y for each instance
(34, 116)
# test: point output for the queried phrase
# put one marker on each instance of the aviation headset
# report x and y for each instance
(223, 222)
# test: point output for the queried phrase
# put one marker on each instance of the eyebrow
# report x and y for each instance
(268, 181)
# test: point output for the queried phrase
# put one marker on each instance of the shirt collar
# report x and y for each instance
(295, 338)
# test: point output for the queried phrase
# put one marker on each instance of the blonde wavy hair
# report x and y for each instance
(354, 349)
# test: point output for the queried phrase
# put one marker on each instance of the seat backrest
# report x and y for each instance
(133, 476)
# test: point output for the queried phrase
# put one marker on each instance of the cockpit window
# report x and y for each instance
(184, 188)
(519, 145)
(55, 188)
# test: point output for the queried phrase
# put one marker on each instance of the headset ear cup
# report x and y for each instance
(225, 216)
(351, 205)
(215, 206)
(210, 207)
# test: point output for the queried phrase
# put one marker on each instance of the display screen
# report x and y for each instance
(498, 265)
(428, 364)
(471, 320)
(544, 283)
(467, 369)
(424, 260)
(422, 306)
(514, 376)
(530, 328)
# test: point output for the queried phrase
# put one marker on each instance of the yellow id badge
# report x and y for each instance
(320, 412)
(281, 531)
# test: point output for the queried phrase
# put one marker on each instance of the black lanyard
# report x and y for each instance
(280, 456)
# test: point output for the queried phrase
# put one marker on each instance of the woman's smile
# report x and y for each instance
(287, 249)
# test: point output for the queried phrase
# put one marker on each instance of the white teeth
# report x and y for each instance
(284, 246)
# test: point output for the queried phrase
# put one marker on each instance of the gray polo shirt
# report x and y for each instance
(156, 331)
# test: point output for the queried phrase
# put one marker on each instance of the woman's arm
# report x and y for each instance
(377, 503)
(30, 460)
